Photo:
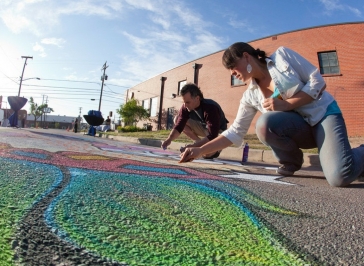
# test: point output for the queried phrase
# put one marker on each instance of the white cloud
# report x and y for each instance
(188, 17)
(141, 45)
(160, 21)
(170, 32)
(84, 8)
(145, 4)
(16, 23)
(175, 36)
(332, 5)
(172, 39)
(356, 11)
(53, 41)
(39, 16)
(72, 76)
(241, 25)
(40, 49)
(139, 71)
(114, 5)
(206, 43)
(27, 15)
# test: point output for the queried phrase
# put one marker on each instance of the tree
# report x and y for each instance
(131, 112)
(37, 110)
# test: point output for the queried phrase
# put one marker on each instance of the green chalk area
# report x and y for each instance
(145, 220)
(21, 185)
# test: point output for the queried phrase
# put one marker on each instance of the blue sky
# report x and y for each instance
(71, 40)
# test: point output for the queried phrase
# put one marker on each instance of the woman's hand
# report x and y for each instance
(299, 99)
(274, 104)
(190, 154)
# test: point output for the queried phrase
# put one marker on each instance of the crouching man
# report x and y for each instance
(200, 119)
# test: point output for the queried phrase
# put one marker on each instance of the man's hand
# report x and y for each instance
(190, 154)
(165, 144)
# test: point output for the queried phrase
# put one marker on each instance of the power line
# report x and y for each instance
(68, 80)
(57, 87)
(81, 81)
(88, 95)
(10, 78)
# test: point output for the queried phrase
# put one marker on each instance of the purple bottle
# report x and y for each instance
(244, 159)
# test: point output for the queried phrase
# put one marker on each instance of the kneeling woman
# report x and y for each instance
(297, 113)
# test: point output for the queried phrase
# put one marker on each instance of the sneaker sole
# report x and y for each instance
(284, 172)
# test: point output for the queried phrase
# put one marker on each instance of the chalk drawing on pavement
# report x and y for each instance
(144, 213)
(254, 177)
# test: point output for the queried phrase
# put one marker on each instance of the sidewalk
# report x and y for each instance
(230, 153)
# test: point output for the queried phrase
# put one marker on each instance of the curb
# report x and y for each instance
(229, 153)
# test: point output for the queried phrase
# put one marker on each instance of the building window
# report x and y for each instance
(153, 106)
(145, 104)
(180, 85)
(235, 81)
(328, 63)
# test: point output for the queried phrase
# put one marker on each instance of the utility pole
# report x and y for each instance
(43, 118)
(79, 117)
(103, 78)
(21, 78)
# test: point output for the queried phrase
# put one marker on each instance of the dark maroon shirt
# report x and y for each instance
(212, 118)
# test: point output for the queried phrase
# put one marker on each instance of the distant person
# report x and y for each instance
(75, 126)
(108, 121)
(200, 119)
(297, 113)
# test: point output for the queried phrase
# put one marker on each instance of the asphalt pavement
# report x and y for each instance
(74, 199)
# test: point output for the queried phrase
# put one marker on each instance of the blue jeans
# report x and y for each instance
(287, 133)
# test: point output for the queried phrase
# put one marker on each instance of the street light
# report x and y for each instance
(32, 78)
(21, 80)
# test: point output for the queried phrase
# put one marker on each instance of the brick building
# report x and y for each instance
(344, 76)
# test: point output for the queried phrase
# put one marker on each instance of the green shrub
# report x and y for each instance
(129, 129)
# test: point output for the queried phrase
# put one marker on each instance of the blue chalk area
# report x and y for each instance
(30, 154)
(50, 219)
(155, 169)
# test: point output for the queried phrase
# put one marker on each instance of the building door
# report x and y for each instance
(170, 114)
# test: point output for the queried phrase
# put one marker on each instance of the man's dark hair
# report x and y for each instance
(192, 89)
